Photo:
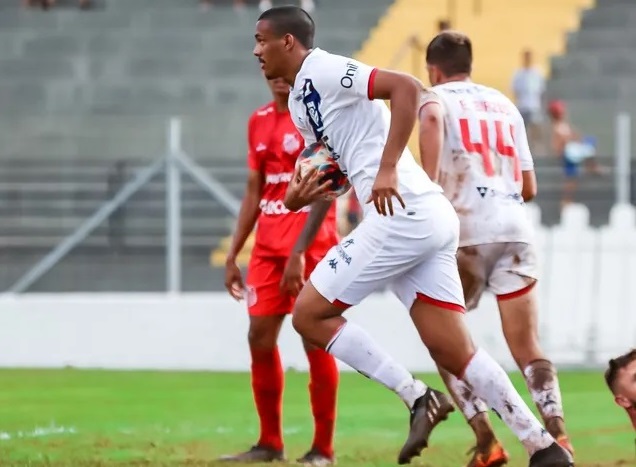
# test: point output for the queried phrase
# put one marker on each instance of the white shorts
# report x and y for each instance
(507, 270)
(413, 252)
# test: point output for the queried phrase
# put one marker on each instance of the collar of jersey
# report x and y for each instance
(309, 56)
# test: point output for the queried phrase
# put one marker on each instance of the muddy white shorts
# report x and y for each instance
(507, 269)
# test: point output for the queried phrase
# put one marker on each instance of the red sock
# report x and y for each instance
(267, 386)
(323, 392)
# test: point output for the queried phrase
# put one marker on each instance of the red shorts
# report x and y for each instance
(264, 297)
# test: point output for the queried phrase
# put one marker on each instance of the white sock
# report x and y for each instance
(356, 348)
(468, 403)
(488, 381)
(544, 386)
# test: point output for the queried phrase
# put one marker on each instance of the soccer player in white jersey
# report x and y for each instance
(410, 246)
(473, 142)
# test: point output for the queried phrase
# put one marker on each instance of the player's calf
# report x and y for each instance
(519, 323)
(543, 383)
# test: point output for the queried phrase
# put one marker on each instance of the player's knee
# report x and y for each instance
(262, 337)
(300, 322)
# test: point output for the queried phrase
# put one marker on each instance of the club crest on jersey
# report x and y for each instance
(290, 143)
(312, 100)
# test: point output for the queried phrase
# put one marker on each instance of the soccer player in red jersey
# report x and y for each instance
(275, 275)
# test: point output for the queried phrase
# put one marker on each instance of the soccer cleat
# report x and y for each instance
(552, 456)
(255, 454)
(430, 409)
(315, 458)
(494, 456)
(565, 443)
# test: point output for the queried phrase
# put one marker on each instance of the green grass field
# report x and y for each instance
(74, 418)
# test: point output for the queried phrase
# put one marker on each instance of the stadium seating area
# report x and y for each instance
(596, 73)
(86, 96)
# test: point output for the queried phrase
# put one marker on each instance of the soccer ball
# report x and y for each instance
(318, 155)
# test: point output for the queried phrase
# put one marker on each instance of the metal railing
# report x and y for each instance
(172, 164)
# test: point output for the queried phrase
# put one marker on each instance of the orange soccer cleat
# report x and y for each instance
(494, 456)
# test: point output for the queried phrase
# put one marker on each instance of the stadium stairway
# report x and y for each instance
(595, 75)
(141, 58)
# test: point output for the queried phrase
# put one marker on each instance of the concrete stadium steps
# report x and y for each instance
(595, 75)
(92, 88)
(41, 203)
(90, 270)
(621, 63)
(143, 59)
(109, 138)
(598, 39)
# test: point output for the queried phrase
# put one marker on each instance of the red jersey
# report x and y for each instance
(273, 147)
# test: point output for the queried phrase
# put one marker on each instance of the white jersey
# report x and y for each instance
(332, 101)
(485, 150)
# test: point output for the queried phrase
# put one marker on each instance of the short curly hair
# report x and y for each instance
(617, 364)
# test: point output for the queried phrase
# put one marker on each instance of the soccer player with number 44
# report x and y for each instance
(473, 142)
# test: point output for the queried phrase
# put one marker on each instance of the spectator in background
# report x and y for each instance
(443, 25)
(620, 377)
(46, 4)
(528, 87)
(573, 150)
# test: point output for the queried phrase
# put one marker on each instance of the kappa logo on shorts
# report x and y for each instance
(347, 243)
(343, 255)
(333, 264)
(250, 295)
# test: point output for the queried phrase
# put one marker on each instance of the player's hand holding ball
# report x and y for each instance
(384, 189)
(303, 191)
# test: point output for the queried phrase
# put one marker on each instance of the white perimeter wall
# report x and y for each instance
(587, 296)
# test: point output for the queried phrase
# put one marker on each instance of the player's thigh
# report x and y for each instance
(472, 263)
(262, 286)
(513, 280)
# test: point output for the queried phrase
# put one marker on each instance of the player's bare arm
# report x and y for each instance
(303, 191)
(431, 138)
(248, 215)
(403, 92)
(293, 281)
(529, 187)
